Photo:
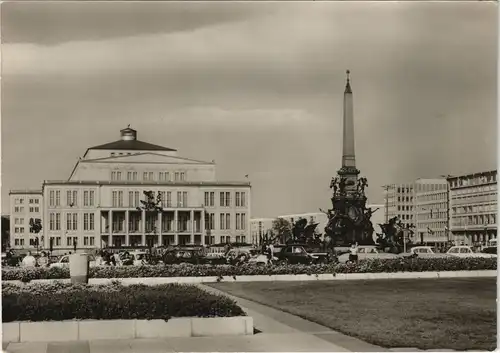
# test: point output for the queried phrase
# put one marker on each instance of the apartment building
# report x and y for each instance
(473, 207)
(25, 205)
(431, 211)
(259, 228)
(399, 202)
(99, 205)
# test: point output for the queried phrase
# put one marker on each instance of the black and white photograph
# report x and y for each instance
(249, 176)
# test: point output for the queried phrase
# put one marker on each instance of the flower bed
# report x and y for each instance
(59, 301)
(366, 266)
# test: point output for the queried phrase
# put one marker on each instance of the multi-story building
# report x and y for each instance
(473, 207)
(25, 205)
(259, 228)
(399, 202)
(431, 210)
(100, 204)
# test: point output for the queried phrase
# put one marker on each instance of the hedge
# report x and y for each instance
(59, 301)
(364, 266)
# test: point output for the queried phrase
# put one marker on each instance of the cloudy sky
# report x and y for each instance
(256, 86)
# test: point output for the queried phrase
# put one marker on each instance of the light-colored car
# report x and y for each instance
(466, 251)
(424, 252)
(368, 252)
(64, 261)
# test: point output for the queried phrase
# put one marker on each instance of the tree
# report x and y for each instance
(282, 230)
(151, 206)
(36, 227)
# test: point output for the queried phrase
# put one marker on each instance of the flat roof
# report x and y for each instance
(151, 183)
(26, 192)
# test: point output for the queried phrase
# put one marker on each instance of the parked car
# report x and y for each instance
(466, 251)
(368, 252)
(424, 252)
(301, 254)
(64, 261)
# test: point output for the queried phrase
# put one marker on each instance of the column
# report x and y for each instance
(110, 228)
(202, 227)
(127, 219)
(160, 220)
(191, 216)
(143, 221)
(175, 228)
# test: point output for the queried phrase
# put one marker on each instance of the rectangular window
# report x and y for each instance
(222, 199)
(161, 176)
(32, 201)
(51, 198)
(169, 199)
(91, 241)
(75, 198)
(228, 199)
(52, 221)
(68, 222)
(69, 198)
(85, 198)
(129, 176)
(237, 199)
(113, 176)
(21, 201)
(85, 221)
(185, 199)
(69, 241)
(114, 198)
(243, 221)
(136, 195)
(120, 198)
(91, 222)
(167, 176)
(58, 221)
(207, 198)
(243, 199)
(58, 241)
(131, 199)
(58, 198)
(151, 176)
(32, 209)
(238, 222)
(212, 199)
(145, 176)
(162, 195)
(183, 176)
(91, 198)
(228, 221)
(222, 221)
(85, 241)
(179, 199)
(176, 176)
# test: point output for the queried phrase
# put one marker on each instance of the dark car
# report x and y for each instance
(301, 254)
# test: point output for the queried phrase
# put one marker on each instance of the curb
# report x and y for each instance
(271, 278)
(85, 330)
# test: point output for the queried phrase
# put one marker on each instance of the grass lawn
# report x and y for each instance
(424, 313)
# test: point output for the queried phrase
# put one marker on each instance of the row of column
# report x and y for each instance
(160, 232)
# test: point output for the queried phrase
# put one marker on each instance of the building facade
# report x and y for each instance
(25, 205)
(473, 207)
(399, 202)
(259, 228)
(100, 204)
(431, 211)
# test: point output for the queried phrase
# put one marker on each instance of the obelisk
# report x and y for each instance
(348, 170)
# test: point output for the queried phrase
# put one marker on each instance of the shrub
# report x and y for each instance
(59, 301)
(364, 266)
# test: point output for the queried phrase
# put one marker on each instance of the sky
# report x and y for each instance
(256, 86)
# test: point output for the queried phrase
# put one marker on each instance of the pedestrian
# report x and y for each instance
(29, 260)
(353, 253)
(43, 261)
